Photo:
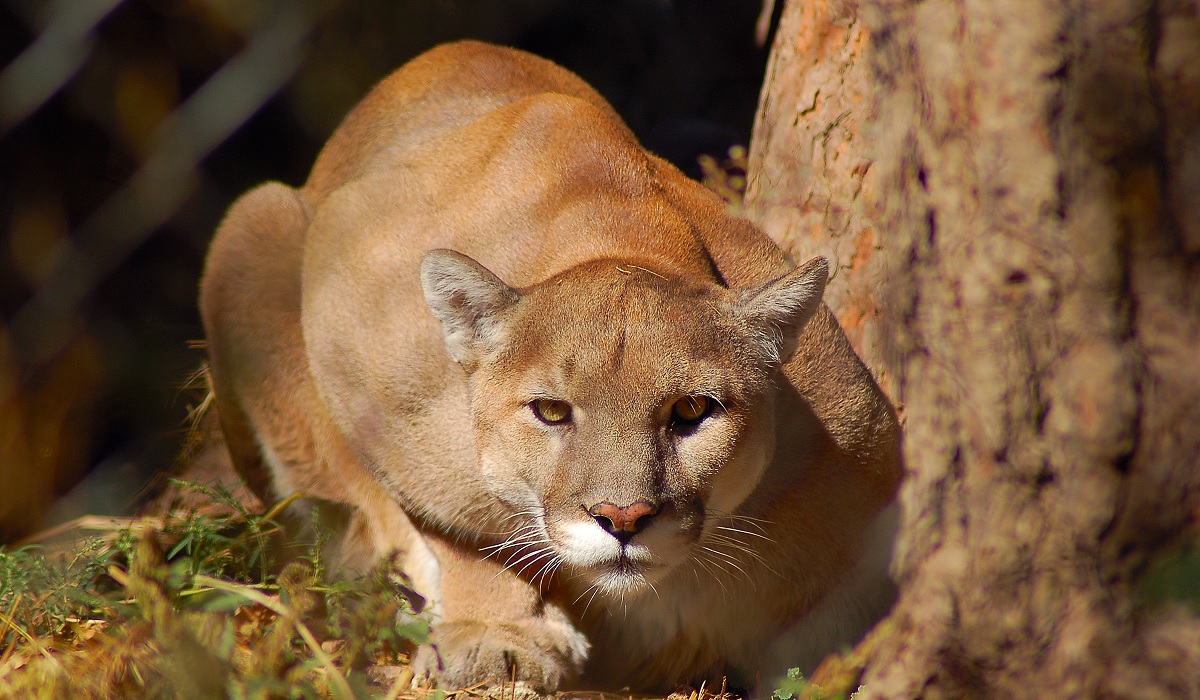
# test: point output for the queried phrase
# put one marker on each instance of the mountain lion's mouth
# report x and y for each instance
(624, 576)
(621, 579)
(604, 564)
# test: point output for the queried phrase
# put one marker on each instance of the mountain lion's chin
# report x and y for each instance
(623, 578)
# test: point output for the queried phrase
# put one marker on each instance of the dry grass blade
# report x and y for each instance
(8, 621)
(341, 686)
(107, 525)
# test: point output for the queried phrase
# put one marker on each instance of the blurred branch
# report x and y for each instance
(43, 326)
(40, 71)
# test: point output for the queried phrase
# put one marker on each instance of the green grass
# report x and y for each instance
(1173, 581)
(191, 608)
(797, 687)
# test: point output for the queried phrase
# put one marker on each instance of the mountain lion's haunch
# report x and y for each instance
(616, 434)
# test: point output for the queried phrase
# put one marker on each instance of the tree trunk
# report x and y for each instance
(809, 161)
(1035, 190)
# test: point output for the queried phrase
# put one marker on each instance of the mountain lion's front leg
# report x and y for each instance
(494, 624)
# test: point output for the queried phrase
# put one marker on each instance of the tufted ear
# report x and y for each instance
(776, 312)
(469, 301)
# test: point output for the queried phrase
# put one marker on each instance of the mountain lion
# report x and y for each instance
(616, 434)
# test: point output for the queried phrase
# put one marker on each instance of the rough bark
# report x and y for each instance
(809, 160)
(1033, 187)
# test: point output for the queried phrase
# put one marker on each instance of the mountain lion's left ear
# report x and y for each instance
(469, 300)
(775, 312)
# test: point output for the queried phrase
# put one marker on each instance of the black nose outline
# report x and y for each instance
(623, 522)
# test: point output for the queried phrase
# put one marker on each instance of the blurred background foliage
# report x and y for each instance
(128, 126)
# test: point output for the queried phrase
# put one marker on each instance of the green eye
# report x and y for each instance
(690, 410)
(551, 411)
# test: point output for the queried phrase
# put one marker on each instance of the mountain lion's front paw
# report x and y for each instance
(542, 652)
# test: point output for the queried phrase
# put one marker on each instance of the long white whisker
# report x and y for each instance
(723, 539)
(704, 559)
(518, 541)
(516, 557)
(741, 546)
(534, 554)
(518, 514)
(719, 559)
(547, 570)
(544, 552)
(701, 560)
(724, 555)
(732, 562)
(528, 527)
(526, 535)
(536, 514)
(581, 595)
(745, 532)
(734, 544)
(748, 520)
(595, 589)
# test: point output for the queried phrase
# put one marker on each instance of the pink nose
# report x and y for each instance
(624, 522)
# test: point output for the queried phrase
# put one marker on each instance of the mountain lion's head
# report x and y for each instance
(622, 412)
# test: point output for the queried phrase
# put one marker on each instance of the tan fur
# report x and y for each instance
(352, 364)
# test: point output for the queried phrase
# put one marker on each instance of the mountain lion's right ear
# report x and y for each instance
(468, 300)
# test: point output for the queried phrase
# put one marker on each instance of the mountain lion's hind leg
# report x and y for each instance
(250, 304)
(279, 432)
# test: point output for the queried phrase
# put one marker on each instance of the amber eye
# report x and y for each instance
(552, 410)
(690, 410)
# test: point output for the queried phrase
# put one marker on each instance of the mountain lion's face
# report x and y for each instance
(623, 416)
